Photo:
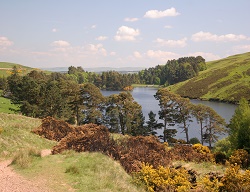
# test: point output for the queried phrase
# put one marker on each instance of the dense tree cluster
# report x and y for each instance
(108, 80)
(173, 71)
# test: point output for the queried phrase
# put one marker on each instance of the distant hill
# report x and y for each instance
(225, 80)
(98, 69)
(6, 67)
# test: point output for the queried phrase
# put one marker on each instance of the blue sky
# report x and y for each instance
(113, 33)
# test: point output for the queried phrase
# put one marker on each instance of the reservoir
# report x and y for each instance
(145, 97)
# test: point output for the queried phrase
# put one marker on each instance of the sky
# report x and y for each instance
(116, 33)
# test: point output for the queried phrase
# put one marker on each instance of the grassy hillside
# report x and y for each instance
(227, 80)
(6, 106)
(6, 67)
(71, 171)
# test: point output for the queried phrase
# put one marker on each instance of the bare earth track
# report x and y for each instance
(10, 181)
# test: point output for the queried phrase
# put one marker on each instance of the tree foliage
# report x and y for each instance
(239, 126)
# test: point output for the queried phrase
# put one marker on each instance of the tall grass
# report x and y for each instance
(16, 135)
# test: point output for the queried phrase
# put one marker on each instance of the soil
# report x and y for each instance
(10, 181)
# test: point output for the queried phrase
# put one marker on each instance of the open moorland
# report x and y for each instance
(225, 80)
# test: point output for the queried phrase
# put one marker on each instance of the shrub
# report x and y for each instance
(135, 150)
(89, 137)
(234, 180)
(53, 129)
(240, 157)
(162, 178)
(199, 148)
(220, 158)
(208, 184)
(188, 153)
(1, 130)
(194, 140)
(223, 146)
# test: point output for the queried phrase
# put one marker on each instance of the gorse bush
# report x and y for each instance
(199, 148)
(209, 185)
(53, 129)
(136, 150)
(162, 178)
(240, 157)
(188, 153)
(235, 180)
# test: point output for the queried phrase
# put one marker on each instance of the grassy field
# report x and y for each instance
(225, 80)
(62, 172)
(6, 106)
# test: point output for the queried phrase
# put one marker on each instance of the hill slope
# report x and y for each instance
(6, 67)
(70, 171)
(225, 80)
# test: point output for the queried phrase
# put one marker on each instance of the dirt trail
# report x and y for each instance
(10, 181)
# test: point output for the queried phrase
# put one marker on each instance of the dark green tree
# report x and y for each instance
(168, 107)
(93, 102)
(199, 111)
(239, 126)
(152, 124)
(125, 113)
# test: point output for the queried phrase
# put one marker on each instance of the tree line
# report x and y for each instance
(60, 96)
(172, 72)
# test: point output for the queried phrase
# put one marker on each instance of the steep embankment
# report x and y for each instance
(225, 80)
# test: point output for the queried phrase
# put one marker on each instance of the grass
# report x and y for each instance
(6, 106)
(5, 69)
(224, 80)
(69, 171)
(144, 85)
(202, 168)
(16, 135)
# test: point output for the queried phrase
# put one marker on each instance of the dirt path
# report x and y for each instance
(10, 181)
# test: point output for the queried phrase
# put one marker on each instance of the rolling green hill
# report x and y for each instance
(226, 80)
(6, 67)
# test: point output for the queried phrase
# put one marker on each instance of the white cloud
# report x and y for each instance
(131, 19)
(206, 56)
(125, 33)
(158, 14)
(5, 42)
(242, 48)
(162, 56)
(207, 36)
(168, 27)
(112, 53)
(54, 30)
(97, 49)
(101, 38)
(93, 26)
(172, 43)
(60, 43)
(137, 55)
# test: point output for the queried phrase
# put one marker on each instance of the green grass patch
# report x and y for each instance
(80, 171)
(6, 106)
(144, 85)
(227, 79)
(16, 135)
